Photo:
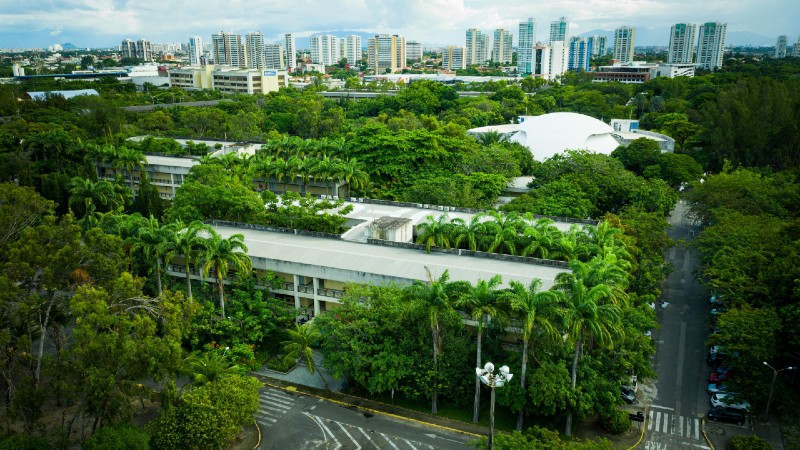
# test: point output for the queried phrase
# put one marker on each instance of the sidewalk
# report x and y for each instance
(299, 375)
(720, 435)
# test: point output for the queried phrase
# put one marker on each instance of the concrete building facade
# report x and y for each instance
(502, 46)
(711, 45)
(274, 57)
(559, 30)
(228, 49)
(624, 42)
(325, 49)
(580, 54)
(781, 45)
(195, 50)
(599, 45)
(255, 51)
(351, 50)
(477, 45)
(414, 51)
(453, 58)
(291, 51)
(526, 42)
(386, 53)
(682, 38)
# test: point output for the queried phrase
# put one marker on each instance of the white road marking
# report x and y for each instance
(390, 441)
(358, 446)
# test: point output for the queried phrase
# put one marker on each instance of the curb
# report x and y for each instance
(705, 436)
(641, 435)
(371, 410)
(259, 437)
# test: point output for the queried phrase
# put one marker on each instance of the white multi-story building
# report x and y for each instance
(525, 45)
(477, 47)
(559, 58)
(228, 49)
(195, 50)
(351, 49)
(274, 57)
(325, 49)
(386, 53)
(453, 58)
(711, 45)
(781, 45)
(796, 48)
(414, 51)
(230, 80)
(559, 30)
(254, 47)
(291, 51)
(141, 49)
(624, 41)
(682, 39)
(501, 46)
(598, 44)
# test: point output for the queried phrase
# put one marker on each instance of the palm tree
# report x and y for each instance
(434, 232)
(326, 169)
(129, 159)
(306, 169)
(283, 168)
(190, 243)
(354, 174)
(483, 303)
(86, 192)
(432, 300)
(264, 167)
(300, 345)
(535, 309)
(155, 241)
(505, 230)
(490, 137)
(471, 232)
(221, 254)
(586, 315)
(543, 234)
(207, 367)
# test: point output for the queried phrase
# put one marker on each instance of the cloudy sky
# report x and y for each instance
(104, 23)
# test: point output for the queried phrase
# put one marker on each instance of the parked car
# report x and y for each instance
(718, 311)
(729, 401)
(715, 299)
(719, 377)
(716, 359)
(727, 414)
(628, 396)
(722, 388)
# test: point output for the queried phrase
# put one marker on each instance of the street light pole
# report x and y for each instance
(772, 388)
(489, 378)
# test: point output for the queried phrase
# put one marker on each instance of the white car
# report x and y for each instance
(728, 400)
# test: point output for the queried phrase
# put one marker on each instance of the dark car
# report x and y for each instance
(726, 414)
(628, 396)
(719, 377)
(716, 359)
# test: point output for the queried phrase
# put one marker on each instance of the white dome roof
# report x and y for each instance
(550, 134)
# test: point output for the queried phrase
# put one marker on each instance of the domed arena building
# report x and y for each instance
(550, 134)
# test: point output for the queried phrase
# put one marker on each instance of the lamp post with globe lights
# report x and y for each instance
(771, 389)
(493, 380)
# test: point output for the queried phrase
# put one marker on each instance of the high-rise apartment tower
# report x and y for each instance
(711, 45)
(624, 41)
(682, 38)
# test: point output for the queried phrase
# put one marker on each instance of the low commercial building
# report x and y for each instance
(638, 72)
(230, 80)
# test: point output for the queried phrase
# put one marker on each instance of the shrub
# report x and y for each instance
(280, 364)
(21, 442)
(618, 422)
(742, 442)
(119, 437)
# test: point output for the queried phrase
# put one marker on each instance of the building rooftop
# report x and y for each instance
(364, 263)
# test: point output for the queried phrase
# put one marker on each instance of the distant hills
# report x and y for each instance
(654, 37)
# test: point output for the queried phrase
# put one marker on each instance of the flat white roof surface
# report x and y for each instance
(389, 262)
(171, 161)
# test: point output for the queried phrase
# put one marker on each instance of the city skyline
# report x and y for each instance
(436, 23)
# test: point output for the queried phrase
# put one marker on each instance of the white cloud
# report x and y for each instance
(106, 22)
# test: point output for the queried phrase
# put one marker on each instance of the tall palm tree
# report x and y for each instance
(85, 192)
(354, 175)
(154, 241)
(326, 169)
(586, 315)
(264, 166)
(470, 232)
(504, 231)
(306, 169)
(535, 309)
(431, 299)
(190, 243)
(434, 232)
(483, 303)
(301, 344)
(282, 168)
(129, 159)
(222, 254)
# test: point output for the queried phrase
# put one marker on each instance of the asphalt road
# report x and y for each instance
(291, 420)
(679, 400)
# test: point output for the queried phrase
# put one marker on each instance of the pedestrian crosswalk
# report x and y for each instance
(662, 422)
(341, 436)
(272, 405)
